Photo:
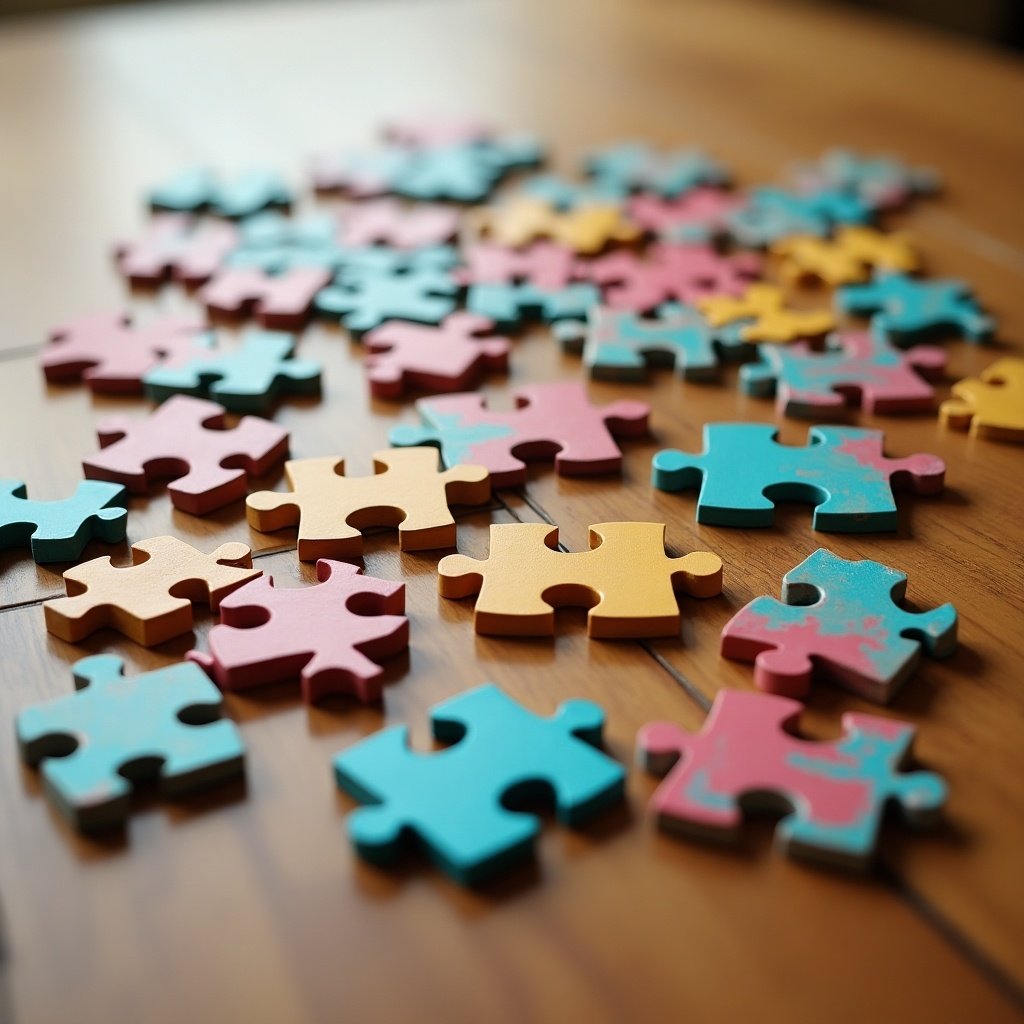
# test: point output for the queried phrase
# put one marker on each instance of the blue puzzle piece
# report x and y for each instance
(198, 189)
(58, 531)
(743, 470)
(512, 305)
(774, 213)
(247, 379)
(633, 166)
(96, 743)
(567, 195)
(907, 309)
(452, 800)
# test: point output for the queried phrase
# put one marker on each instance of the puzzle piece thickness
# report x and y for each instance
(993, 404)
(766, 317)
(842, 619)
(149, 601)
(176, 247)
(451, 800)
(281, 302)
(331, 635)
(187, 436)
(743, 471)
(331, 510)
(525, 577)
(164, 724)
(550, 419)
(197, 189)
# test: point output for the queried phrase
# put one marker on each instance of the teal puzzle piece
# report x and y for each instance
(197, 189)
(633, 166)
(774, 213)
(511, 305)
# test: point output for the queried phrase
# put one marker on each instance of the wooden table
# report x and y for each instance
(249, 904)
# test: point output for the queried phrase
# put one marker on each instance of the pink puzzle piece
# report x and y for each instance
(186, 437)
(427, 130)
(451, 357)
(683, 273)
(361, 176)
(111, 355)
(388, 222)
(698, 214)
(330, 635)
(544, 264)
(281, 302)
(176, 246)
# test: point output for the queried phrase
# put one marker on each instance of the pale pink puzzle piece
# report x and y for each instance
(330, 635)
(544, 264)
(280, 302)
(358, 175)
(388, 222)
(426, 131)
(450, 357)
(701, 210)
(186, 437)
(176, 246)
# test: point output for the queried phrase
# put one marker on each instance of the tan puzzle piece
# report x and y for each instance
(149, 601)
(992, 404)
(331, 509)
(626, 580)
(586, 229)
(773, 322)
(846, 259)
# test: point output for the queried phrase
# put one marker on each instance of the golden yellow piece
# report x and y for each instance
(764, 304)
(993, 404)
(626, 580)
(846, 259)
(586, 229)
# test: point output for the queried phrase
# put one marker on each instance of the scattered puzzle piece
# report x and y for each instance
(634, 166)
(586, 229)
(839, 619)
(331, 510)
(58, 531)
(993, 404)
(908, 309)
(832, 793)
(544, 264)
(176, 246)
(743, 471)
(450, 357)
(275, 244)
(512, 305)
(247, 379)
(110, 355)
(863, 363)
(774, 213)
(331, 635)
(550, 418)
(149, 601)
(770, 320)
(567, 195)
(880, 181)
(281, 302)
(452, 801)
(700, 215)
(358, 174)
(195, 190)
(847, 258)
(387, 222)
(96, 744)
(625, 579)
(187, 436)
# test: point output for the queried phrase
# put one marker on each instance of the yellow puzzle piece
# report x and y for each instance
(764, 304)
(332, 509)
(626, 580)
(847, 258)
(993, 404)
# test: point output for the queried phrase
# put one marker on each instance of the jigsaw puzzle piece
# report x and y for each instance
(275, 244)
(360, 174)
(587, 230)
(562, 194)
(387, 222)
(840, 619)
(993, 404)
(281, 302)
(546, 265)
(512, 305)
(96, 744)
(451, 801)
(197, 189)
(882, 182)
(847, 258)
(766, 317)
(700, 215)
(832, 793)
(774, 213)
(632, 166)
(176, 246)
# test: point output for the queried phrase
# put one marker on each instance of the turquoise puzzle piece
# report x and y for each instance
(196, 189)
(634, 166)
(563, 194)
(512, 305)
(58, 531)
(843, 472)
(774, 213)
(94, 745)
(453, 800)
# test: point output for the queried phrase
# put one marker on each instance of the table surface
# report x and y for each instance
(249, 904)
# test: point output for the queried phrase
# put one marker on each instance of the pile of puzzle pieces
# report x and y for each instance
(447, 244)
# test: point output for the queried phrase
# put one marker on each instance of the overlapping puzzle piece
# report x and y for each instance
(187, 438)
(452, 801)
(553, 418)
(847, 258)
(839, 619)
(331, 635)
(97, 744)
(197, 189)
(625, 579)
(512, 305)
(765, 316)
(149, 601)
(773, 213)
(843, 472)
(833, 793)
(58, 531)
(635, 166)
(407, 490)
(176, 247)
(993, 404)
(281, 302)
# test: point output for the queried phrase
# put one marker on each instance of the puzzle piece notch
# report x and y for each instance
(176, 246)
(281, 302)
(149, 601)
(993, 404)
(625, 579)
(331, 636)
(832, 793)
(407, 490)
(546, 265)
(58, 531)
(847, 258)
(96, 744)
(387, 222)
(635, 166)
(452, 800)
(554, 418)
(842, 620)
(512, 305)
(770, 320)
(451, 357)
(197, 189)
(743, 470)
(187, 438)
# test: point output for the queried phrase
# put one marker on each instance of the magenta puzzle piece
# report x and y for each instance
(544, 264)
(388, 222)
(176, 246)
(186, 437)
(281, 302)
(696, 216)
